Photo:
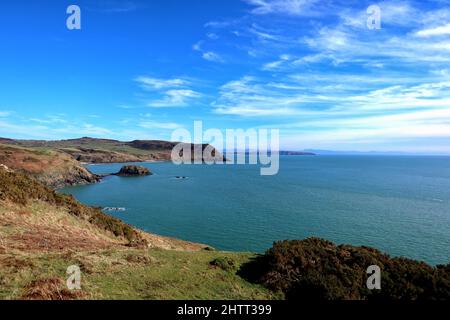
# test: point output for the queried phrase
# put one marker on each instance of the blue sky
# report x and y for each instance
(313, 69)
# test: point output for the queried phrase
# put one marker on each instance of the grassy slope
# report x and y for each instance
(85, 146)
(92, 150)
(110, 270)
(42, 233)
(129, 274)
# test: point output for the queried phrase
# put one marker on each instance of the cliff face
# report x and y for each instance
(51, 167)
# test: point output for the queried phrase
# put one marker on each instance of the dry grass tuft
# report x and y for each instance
(16, 263)
(50, 289)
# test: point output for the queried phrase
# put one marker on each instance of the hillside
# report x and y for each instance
(90, 150)
(52, 167)
(60, 163)
(43, 232)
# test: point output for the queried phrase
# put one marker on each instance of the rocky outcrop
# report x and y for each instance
(75, 175)
(130, 171)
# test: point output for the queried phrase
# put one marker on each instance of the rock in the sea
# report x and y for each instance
(128, 171)
(114, 209)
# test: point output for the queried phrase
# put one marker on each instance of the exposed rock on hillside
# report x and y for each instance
(128, 171)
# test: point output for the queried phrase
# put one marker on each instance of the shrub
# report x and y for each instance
(317, 269)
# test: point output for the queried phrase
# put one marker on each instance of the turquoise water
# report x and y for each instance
(400, 205)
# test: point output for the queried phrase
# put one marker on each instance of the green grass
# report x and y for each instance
(36, 151)
(136, 274)
(101, 146)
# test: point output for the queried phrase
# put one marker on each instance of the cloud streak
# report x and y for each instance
(170, 93)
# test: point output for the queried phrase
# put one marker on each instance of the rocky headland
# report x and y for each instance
(60, 163)
(53, 168)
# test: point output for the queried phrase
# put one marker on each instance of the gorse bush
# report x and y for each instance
(316, 269)
(21, 189)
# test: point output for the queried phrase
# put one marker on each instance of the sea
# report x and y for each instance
(397, 204)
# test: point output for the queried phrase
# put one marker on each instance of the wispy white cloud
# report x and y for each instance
(212, 56)
(289, 7)
(5, 113)
(437, 31)
(212, 36)
(250, 97)
(175, 98)
(157, 83)
(29, 130)
(84, 129)
(263, 34)
(49, 120)
(208, 55)
(168, 93)
(309, 94)
(145, 130)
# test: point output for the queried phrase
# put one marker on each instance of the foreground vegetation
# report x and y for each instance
(316, 269)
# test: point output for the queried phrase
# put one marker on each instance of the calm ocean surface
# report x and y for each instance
(400, 205)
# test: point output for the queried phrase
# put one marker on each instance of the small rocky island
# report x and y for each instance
(132, 171)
